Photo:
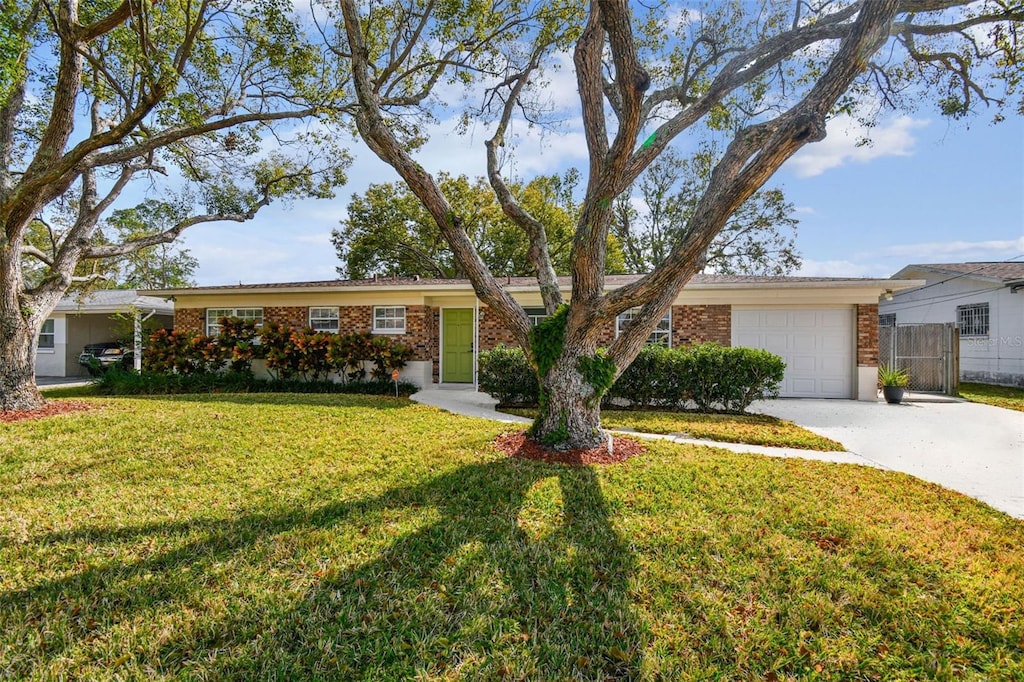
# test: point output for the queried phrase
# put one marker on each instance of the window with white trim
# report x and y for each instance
(389, 319)
(662, 334)
(535, 315)
(47, 336)
(972, 320)
(887, 320)
(324, 319)
(244, 314)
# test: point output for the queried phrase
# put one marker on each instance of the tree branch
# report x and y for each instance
(538, 252)
(372, 127)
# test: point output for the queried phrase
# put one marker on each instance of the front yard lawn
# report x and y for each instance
(1000, 396)
(756, 429)
(301, 537)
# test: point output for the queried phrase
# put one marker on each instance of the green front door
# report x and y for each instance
(457, 345)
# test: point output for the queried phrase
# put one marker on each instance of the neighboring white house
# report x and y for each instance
(984, 300)
(81, 320)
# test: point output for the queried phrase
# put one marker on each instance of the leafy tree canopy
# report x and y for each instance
(212, 98)
(389, 232)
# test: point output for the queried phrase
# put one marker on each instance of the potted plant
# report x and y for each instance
(893, 381)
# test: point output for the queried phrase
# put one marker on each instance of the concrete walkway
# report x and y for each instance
(975, 449)
(47, 382)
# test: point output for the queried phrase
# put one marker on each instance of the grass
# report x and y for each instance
(1000, 396)
(302, 537)
(756, 429)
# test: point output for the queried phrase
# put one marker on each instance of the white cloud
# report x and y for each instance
(842, 268)
(680, 17)
(894, 138)
(955, 250)
(804, 210)
(319, 238)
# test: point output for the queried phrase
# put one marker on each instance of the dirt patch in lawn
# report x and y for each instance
(52, 408)
(519, 445)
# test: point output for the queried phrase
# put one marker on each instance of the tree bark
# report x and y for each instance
(17, 356)
(569, 417)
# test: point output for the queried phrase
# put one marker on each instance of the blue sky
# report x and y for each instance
(926, 190)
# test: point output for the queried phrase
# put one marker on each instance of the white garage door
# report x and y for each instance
(817, 345)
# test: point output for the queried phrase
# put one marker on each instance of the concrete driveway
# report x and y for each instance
(975, 449)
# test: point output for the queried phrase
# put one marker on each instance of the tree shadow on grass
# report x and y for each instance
(513, 570)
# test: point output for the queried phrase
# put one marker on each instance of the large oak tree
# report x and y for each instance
(770, 74)
(98, 97)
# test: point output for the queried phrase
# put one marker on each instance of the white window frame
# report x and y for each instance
(887, 320)
(254, 314)
(52, 334)
(535, 314)
(386, 319)
(973, 319)
(662, 334)
(325, 319)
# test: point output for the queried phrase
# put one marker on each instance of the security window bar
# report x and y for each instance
(324, 319)
(972, 320)
(47, 336)
(662, 334)
(389, 319)
(244, 314)
(887, 320)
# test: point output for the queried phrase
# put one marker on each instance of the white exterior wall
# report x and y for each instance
(996, 358)
(51, 362)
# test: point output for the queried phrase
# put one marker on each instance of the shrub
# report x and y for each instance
(707, 376)
(506, 374)
(182, 353)
(640, 383)
(748, 374)
(387, 356)
(119, 382)
(347, 354)
(237, 343)
(289, 353)
(279, 351)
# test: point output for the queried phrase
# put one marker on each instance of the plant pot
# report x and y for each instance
(893, 394)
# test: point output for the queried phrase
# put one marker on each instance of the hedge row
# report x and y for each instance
(708, 377)
(119, 382)
(289, 353)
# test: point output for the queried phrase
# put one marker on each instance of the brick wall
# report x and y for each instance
(867, 335)
(420, 332)
(190, 320)
(296, 317)
(355, 318)
(493, 331)
(700, 324)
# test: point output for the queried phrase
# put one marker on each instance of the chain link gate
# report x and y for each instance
(930, 354)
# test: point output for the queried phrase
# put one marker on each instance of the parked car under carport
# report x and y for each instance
(99, 357)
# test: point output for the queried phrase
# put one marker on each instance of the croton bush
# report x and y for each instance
(289, 354)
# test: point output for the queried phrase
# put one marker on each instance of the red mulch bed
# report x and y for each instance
(519, 445)
(52, 408)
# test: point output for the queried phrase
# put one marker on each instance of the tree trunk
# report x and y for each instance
(20, 321)
(570, 409)
(18, 364)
